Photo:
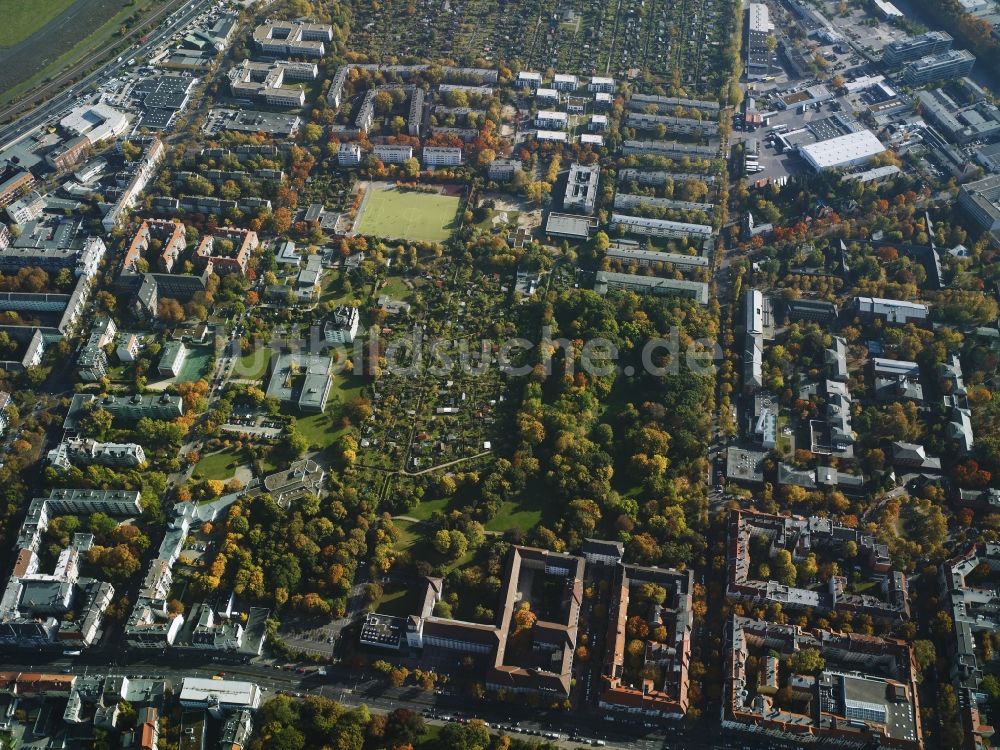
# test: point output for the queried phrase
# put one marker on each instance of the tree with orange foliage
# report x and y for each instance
(524, 618)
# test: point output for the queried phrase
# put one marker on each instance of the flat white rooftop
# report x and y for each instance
(229, 692)
(845, 149)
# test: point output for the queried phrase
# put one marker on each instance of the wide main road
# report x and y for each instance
(353, 687)
(61, 88)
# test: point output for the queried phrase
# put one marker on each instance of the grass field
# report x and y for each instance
(524, 512)
(22, 19)
(324, 429)
(253, 364)
(220, 465)
(524, 516)
(427, 508)
(408, 215)
(407, 534)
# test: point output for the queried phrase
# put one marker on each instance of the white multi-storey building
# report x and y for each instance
(550, 120)
(349, 155)
(393, 153)
(601, 84)
(442, 156)
(342, 326)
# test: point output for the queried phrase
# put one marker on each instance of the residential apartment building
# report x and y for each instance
(128, 348)
(5, 403)
(601, 84)
(660, 227)
(679, 125)
(528, 79)
(581, 188)
(126, 408)
(630, 254)
(607, 280)
(92, 362)
(629, 200)
(137, 177)
(660, 687)
(69, 153)
(349, 155)
(602, 551)
(669, 149)
(896, 380)
(670, 103)
(85, 502)
(972, 607)
(342, 325)
(502, 170)
(80, 451)
(53, 244)
(393, 153)
(546, 97)
(442, 156)
(214, 628)
(565, 82)
(226, 250)
(551, 120)
(14, 182)
(864, 695)
(28, 207)
(801, 536)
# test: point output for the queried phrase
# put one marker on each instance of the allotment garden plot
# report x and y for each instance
(422, 215)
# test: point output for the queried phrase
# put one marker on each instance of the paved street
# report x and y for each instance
(354, 687)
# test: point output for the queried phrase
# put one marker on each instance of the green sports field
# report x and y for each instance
(407, 215)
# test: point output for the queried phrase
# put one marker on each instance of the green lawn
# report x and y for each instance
(525, 514)
(253, 364)
(430, 733)
(408, 215)
(25, 17)
(428, 508)
(220, 465)
(396, 288)
(324, 429)
(399, 602)
(333, 291)
(784, 443)
(407, 536)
